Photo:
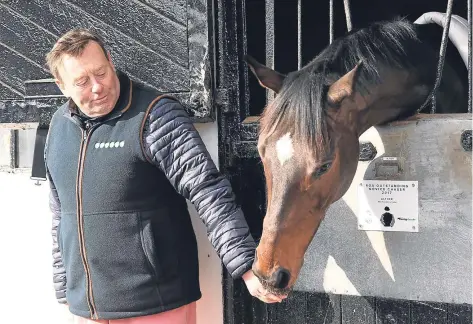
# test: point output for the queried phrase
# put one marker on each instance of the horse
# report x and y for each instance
(308, 136)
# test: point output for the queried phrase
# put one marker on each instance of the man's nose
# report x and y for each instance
(96, 87)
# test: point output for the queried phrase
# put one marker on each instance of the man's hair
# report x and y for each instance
(72, 43)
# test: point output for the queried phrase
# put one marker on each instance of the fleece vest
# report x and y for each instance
(125, 234)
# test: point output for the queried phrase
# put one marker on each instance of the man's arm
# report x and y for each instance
(171, 142)
(59, 272)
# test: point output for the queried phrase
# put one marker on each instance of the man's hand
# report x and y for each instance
(256, 289)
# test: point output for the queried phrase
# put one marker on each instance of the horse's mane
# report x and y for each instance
(299, 106)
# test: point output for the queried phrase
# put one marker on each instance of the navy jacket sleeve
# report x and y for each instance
(59, 272)
(172, 144)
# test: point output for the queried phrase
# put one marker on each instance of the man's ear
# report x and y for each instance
(267, 77)
(343, 87)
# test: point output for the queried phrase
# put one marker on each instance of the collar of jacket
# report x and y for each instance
(122, 105)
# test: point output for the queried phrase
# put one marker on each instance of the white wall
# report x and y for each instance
(25, 247)
(210, 307)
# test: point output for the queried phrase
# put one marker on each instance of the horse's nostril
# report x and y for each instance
(281, 278)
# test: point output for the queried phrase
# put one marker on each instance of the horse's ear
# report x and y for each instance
(343, 87)
(267, 77)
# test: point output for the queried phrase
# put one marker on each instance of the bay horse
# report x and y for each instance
(308, 140)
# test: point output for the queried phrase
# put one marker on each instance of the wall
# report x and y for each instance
(25, 245)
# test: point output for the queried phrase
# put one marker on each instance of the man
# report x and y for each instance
(121, 160)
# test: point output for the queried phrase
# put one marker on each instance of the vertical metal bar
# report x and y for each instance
(299, 34)
(331, 21)
(443, 49)
(346, 4)
(245, 90)
(14, 149)
(270, 30)
(470, 63)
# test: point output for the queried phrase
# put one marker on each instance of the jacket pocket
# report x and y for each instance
(148, 245)
(122, 269)
(159, 239)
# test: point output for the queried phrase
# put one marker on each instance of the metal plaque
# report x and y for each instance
(385, 205)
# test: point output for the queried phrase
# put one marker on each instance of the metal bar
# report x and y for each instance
(331, 21)
(470, 65)
(14, 149)
(270, 30)
(299, 34)
(346, 4)
(245, 91)
(443, 49)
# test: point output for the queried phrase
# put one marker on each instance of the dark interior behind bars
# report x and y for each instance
(315, 23)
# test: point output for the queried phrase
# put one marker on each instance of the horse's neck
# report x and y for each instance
(399, 95)
(381, 114)
(408, 96)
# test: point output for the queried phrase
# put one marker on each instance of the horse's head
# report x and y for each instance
(310, 156)
(308, 139)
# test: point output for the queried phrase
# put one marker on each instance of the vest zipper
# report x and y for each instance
(80, 218)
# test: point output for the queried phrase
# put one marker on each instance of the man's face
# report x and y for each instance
(90, 80)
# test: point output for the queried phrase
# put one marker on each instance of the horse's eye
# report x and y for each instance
(322, 169)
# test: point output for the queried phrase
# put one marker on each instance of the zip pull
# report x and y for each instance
(88, 126)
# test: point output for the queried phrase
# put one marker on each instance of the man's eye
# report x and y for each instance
(81, 83)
